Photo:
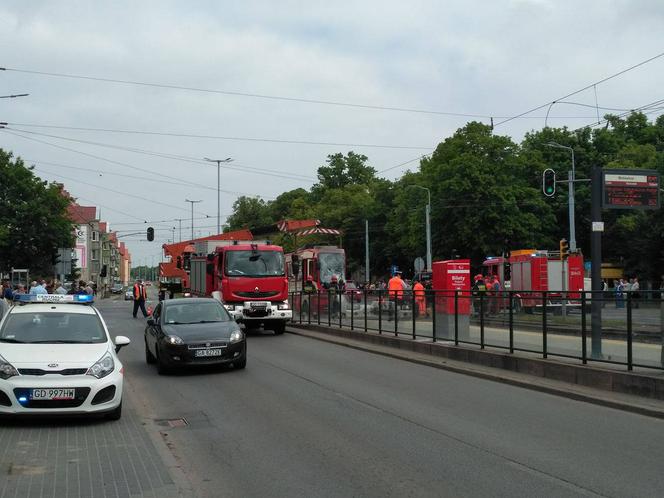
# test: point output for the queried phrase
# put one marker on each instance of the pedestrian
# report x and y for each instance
(395, 288)
(140, 296)
(420, 299)
(59, 289)
(89, 289)
(635, 289)
(620, 293)
(605, 292)
(81, 288)
(36, 288)
(496, 291)
(7, 292)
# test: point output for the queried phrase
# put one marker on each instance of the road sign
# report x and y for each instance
(419, 264)
(630, 189)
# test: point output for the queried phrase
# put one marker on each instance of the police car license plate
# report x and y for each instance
(53, 394)
(207, 352)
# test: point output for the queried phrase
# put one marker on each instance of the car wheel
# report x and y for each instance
(149, 357)
(116, 413)
(162, 369)
(279, 328)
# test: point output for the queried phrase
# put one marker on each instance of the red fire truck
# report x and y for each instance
(248, 277)
(323, 264)
(533, 271)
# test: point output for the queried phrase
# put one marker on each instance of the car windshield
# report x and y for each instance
(193, 312)
(52, 327)
(254, 263)
(331, 264)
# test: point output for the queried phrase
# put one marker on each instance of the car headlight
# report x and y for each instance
(174, 339)
(283, 306)
(6, 369)
(236, 336)
(103, 367)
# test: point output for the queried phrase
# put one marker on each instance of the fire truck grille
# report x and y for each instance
(257, 294)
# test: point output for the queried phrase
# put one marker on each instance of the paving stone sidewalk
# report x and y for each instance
(63, 458)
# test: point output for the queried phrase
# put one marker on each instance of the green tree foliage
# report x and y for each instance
(249, 212)
(33, 219)
(486, 198)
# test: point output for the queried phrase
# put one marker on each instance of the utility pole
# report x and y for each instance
(366, 251)
(219, 161)
(192, 216)
(428, 224)
(570, 195)
(180, 222)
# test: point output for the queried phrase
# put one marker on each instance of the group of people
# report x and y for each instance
(43, 286)
(486, 294)
(623, 287)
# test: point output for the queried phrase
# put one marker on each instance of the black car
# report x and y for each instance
(193, 331)
(117, 288)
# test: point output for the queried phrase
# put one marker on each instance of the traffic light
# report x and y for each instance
(549, 182)
(564, 249)
(55, 258)
(178, 262)
(150, 234)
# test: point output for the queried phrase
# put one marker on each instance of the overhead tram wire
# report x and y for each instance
(218, 137)
(254, 95)
(587, 87)
(175, 157)
(154, 180)
(124, 165)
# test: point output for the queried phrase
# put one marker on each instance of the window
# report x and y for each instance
(94, 236)
(94, 254)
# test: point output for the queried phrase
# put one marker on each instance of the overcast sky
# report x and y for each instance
(490, 58)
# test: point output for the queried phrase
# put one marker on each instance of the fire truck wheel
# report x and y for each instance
(279, 328)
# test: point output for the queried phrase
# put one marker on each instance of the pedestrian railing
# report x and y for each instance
(590, 326)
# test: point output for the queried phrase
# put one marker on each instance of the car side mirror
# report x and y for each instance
(120, 342)
(151, 322)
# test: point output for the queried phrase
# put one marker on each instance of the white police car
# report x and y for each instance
(56, 357)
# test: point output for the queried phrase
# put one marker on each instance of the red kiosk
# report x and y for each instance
(448, 277)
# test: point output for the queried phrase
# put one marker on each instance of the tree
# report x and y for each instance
(33, 219)
(342, 171)
(249, 212)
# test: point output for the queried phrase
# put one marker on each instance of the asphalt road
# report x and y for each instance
(308, 418)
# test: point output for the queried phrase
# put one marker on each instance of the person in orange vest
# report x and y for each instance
(395, 290)
(140, 296)
(420, 299)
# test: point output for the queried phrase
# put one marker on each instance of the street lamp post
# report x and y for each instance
(428, 223)
(218, 161)
(570, 195)
(192, 215)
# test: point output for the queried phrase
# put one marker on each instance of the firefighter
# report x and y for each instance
(140, 296)
(479, 291)
(395, 288)
(310, 286)
(420, 299)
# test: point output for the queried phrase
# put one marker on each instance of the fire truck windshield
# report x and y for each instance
(331, 263)
(254, 264)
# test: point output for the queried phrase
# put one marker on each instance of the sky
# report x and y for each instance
(485, 58)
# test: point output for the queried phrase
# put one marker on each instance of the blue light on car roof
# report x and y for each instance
(54, 298)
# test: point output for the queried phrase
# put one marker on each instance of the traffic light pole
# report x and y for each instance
(596, 259)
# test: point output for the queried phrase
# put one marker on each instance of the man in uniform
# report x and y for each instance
(140, 296)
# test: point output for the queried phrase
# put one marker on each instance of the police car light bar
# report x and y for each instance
(54, 298)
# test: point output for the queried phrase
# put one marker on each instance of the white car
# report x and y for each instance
(56, 357)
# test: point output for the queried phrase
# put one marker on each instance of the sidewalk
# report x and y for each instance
(85, 458)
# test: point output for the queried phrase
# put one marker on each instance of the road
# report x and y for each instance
(308, 418)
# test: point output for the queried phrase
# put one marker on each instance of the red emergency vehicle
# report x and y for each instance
(534, 271)
(248, 277)
(320, 268)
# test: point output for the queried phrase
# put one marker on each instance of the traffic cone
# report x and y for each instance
(150, 310)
